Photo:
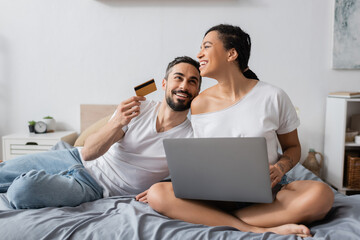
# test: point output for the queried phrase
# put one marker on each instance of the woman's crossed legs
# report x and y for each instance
(297, 202)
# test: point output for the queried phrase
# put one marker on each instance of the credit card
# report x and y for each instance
(145, 88)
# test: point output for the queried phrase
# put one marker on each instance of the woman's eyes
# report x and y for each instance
(204, 46)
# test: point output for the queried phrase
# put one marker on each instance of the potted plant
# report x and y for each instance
(50, 122)
(31, 126)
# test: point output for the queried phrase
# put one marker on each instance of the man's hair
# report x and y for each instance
(183, 59)
(235, 37)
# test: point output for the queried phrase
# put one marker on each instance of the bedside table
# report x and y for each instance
(21, 144)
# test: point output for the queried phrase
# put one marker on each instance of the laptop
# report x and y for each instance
(222, 169)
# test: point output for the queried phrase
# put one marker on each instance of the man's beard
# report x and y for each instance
(180, 105)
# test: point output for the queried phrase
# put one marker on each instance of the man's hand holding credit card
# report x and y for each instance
(145, 88)
(130, 108)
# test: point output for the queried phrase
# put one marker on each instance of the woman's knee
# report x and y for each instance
(315, 201)
(159, 196)
(323, 198)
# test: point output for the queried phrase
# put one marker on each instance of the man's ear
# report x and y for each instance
(232, 55)
(163, 83)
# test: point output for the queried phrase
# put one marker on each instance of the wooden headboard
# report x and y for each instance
(91, 113)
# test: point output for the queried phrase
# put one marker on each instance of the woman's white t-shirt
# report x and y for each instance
(264, 112)
(138, 160)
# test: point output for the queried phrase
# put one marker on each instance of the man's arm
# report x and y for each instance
(291, 156)
(99, 143)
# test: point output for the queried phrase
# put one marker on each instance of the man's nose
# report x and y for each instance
(184, 85)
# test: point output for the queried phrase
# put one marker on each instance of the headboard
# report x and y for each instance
(91, 113)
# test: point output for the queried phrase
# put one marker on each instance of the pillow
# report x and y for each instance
(90, 130)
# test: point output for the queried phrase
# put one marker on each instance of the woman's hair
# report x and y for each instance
(250, 74)
(235, 37)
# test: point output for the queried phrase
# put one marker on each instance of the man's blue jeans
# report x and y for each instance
(49, 179)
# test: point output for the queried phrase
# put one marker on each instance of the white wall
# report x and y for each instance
(57, 54)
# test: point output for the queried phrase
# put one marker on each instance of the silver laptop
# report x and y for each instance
(223, 169)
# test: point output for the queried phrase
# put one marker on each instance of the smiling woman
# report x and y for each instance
(243, 107)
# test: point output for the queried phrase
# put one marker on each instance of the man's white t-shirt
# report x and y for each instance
(138, 160)
(264, 112)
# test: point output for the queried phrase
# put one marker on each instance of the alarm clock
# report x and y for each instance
(40, 127)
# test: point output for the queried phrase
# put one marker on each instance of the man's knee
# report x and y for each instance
(25, 189)
(160, 195)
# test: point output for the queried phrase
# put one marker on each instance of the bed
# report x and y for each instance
(124, 218)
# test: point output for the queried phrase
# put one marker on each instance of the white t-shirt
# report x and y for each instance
(264, 112)
(138, 160)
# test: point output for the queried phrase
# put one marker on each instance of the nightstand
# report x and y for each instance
(21, 144)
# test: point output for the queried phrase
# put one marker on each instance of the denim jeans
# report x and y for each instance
(49, 179)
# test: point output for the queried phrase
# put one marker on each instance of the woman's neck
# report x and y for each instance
(233, 85)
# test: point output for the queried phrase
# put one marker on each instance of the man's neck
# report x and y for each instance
(168, 118)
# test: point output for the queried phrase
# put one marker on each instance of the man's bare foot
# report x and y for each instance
(286, 229)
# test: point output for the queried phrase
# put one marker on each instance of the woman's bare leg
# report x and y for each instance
(298, 202)
(162, 199)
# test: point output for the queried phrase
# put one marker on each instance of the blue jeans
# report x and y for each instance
(48, 179)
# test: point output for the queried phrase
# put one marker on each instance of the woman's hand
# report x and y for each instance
(291, 155)
(142, 197)
(275, 174)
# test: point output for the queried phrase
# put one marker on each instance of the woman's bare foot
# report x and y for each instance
(286, 229)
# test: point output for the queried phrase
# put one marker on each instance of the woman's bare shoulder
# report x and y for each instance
(202, 102)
